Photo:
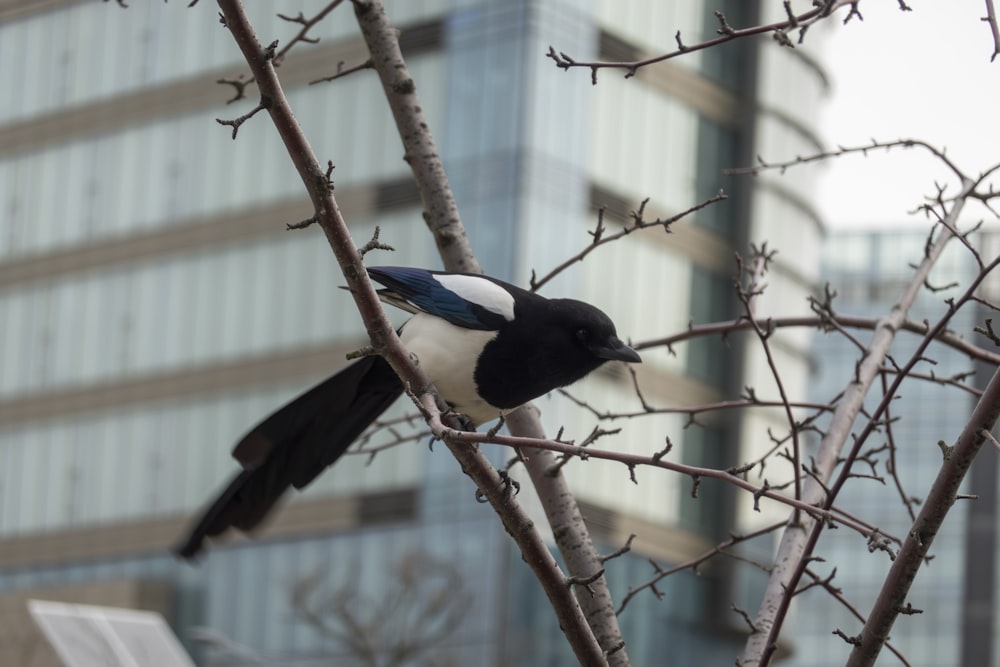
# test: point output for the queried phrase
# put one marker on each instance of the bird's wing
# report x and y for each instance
(465, 300)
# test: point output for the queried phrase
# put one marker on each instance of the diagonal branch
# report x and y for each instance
(917, 543)
(386, 343)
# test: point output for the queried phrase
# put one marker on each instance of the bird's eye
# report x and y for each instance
(582, 335)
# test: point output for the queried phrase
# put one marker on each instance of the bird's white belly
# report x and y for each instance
(448, 354)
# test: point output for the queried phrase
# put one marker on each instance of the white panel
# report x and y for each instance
(75, 54)
(12, 478)
(34, 215)
(231, 313)
(32, 468)
(645, 288)
(84, 635)
(196, 167)
(22, 350)
(11, 51)
(201, 309)
(131, 179)
(8, 203)
(790, 230)
(644, 144)
(64, 320)
(56, 488)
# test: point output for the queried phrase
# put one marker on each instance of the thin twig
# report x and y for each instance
(780, 29)
(638, 223)
(842, 150)
(945, 337)
(991, 19)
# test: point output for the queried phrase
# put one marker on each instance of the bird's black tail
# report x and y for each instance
(295, 444)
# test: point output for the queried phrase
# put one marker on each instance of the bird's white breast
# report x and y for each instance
(448, 354)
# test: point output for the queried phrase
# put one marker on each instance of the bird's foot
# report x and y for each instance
(465, 423)
(510, 488)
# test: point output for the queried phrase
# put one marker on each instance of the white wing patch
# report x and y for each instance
(481, 292)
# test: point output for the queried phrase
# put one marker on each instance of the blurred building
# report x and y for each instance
(956, 590)
(153, 307)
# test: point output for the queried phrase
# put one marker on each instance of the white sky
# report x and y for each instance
(924, 74)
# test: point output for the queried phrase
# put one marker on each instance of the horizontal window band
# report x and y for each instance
(267, 370)
(151, 536)
(199, 233)
(172, 99)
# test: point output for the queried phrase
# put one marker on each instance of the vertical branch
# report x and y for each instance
(801, 533)
(942, 496)
(420, 152)
(749, 297)
(565, 517)
(991, 19)
(441, 216)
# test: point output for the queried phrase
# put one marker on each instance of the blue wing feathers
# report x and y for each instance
(419, 288)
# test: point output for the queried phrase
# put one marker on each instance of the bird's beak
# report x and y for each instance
(615, 350)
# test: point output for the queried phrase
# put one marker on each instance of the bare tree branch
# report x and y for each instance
(802, 531)
(694, 563)
(748, 298)
(781, 167)
(656, 460)
(638, 222)
(242, 82)
(945, 337)
(344, 71)
(302, 36)
(991, 19)
(827, 585)
(693, 410)
(563, 511)
(943, 495)
(801, 22)
(420, 152)
(385, 341)
(908, 501)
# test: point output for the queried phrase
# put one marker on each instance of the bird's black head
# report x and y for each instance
(592, 331)
(550, 343)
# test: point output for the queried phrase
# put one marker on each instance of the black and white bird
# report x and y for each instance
(488, 347)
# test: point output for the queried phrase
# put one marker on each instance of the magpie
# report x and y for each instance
(488, 347)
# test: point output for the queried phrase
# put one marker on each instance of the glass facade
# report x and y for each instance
(153, 307)
(868, 270)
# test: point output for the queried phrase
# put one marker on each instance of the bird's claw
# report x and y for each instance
(511, 487)
(463, 420)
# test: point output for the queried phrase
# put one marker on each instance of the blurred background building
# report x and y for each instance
(153, 308)
(956, 590)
